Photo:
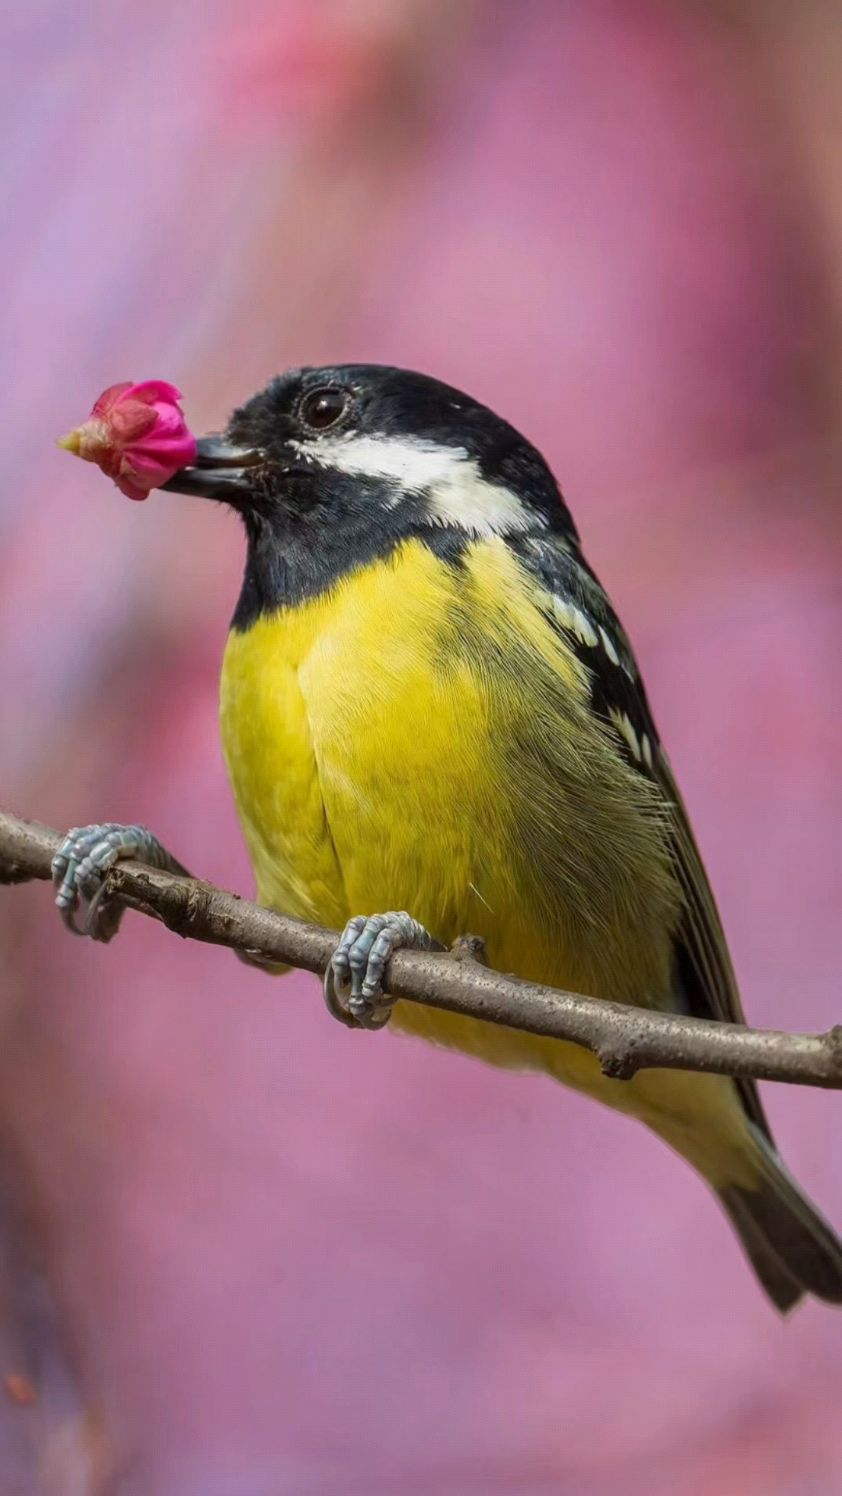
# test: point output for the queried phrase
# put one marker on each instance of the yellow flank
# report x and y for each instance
(418, 737)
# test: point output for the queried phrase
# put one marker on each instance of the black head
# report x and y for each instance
(331, 467)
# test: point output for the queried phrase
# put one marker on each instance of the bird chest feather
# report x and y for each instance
(399, 741)
(343, 737)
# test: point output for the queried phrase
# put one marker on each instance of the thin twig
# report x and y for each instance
(625, 1039)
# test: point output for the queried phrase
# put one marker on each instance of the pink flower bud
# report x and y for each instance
(137, 434)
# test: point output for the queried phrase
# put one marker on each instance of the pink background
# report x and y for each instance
(247, 1252)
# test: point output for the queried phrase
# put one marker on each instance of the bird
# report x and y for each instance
(434, 723)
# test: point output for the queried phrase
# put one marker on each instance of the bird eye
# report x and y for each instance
(323, 408)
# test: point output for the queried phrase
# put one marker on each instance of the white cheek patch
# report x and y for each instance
(448, 478)
(464, 498)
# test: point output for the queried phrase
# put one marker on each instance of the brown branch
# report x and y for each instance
(625, 1039)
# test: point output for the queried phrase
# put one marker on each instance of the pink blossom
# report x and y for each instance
(137, 434)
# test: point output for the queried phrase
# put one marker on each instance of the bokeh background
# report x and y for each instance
(245, 1252)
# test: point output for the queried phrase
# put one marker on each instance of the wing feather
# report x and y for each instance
(577, 603)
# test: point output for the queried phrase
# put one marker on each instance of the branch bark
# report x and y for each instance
(625, 1039)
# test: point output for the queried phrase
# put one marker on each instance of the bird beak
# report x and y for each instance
(220, 471)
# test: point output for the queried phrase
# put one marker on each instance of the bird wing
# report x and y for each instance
(576, 603)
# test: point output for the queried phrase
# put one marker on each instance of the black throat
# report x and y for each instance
(303, 550)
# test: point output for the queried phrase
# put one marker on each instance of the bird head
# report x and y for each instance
(330, 467)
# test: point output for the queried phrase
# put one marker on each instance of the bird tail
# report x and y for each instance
(791, 1247)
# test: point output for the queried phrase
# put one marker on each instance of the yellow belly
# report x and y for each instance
(391, 745)
(378, 762)
(376, 766)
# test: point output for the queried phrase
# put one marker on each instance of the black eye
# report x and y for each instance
(323, 408)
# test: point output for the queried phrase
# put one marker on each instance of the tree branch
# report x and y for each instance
(625, 1039)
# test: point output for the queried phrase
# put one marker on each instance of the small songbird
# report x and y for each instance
(428, 705)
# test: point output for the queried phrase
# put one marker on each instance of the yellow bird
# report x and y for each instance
(428, 705)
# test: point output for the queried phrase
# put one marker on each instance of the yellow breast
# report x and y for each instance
(358, 785)
(413, 738)
(418, 737)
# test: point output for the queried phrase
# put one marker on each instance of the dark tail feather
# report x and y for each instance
(784, 1290)
(791, 1248)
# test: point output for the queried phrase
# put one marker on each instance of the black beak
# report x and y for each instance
(221, 471)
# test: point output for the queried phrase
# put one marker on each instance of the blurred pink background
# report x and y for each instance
(246, 1252)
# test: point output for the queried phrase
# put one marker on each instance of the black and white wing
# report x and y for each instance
(577, 604)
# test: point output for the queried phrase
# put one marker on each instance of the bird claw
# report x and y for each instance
(353, 981)
(80, 868)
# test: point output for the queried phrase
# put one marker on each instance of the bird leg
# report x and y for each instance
(353, 981)
(80, 866)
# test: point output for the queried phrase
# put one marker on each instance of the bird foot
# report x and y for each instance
(353, 981)
(81, 864)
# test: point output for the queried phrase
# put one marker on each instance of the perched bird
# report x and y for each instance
(428, 705)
